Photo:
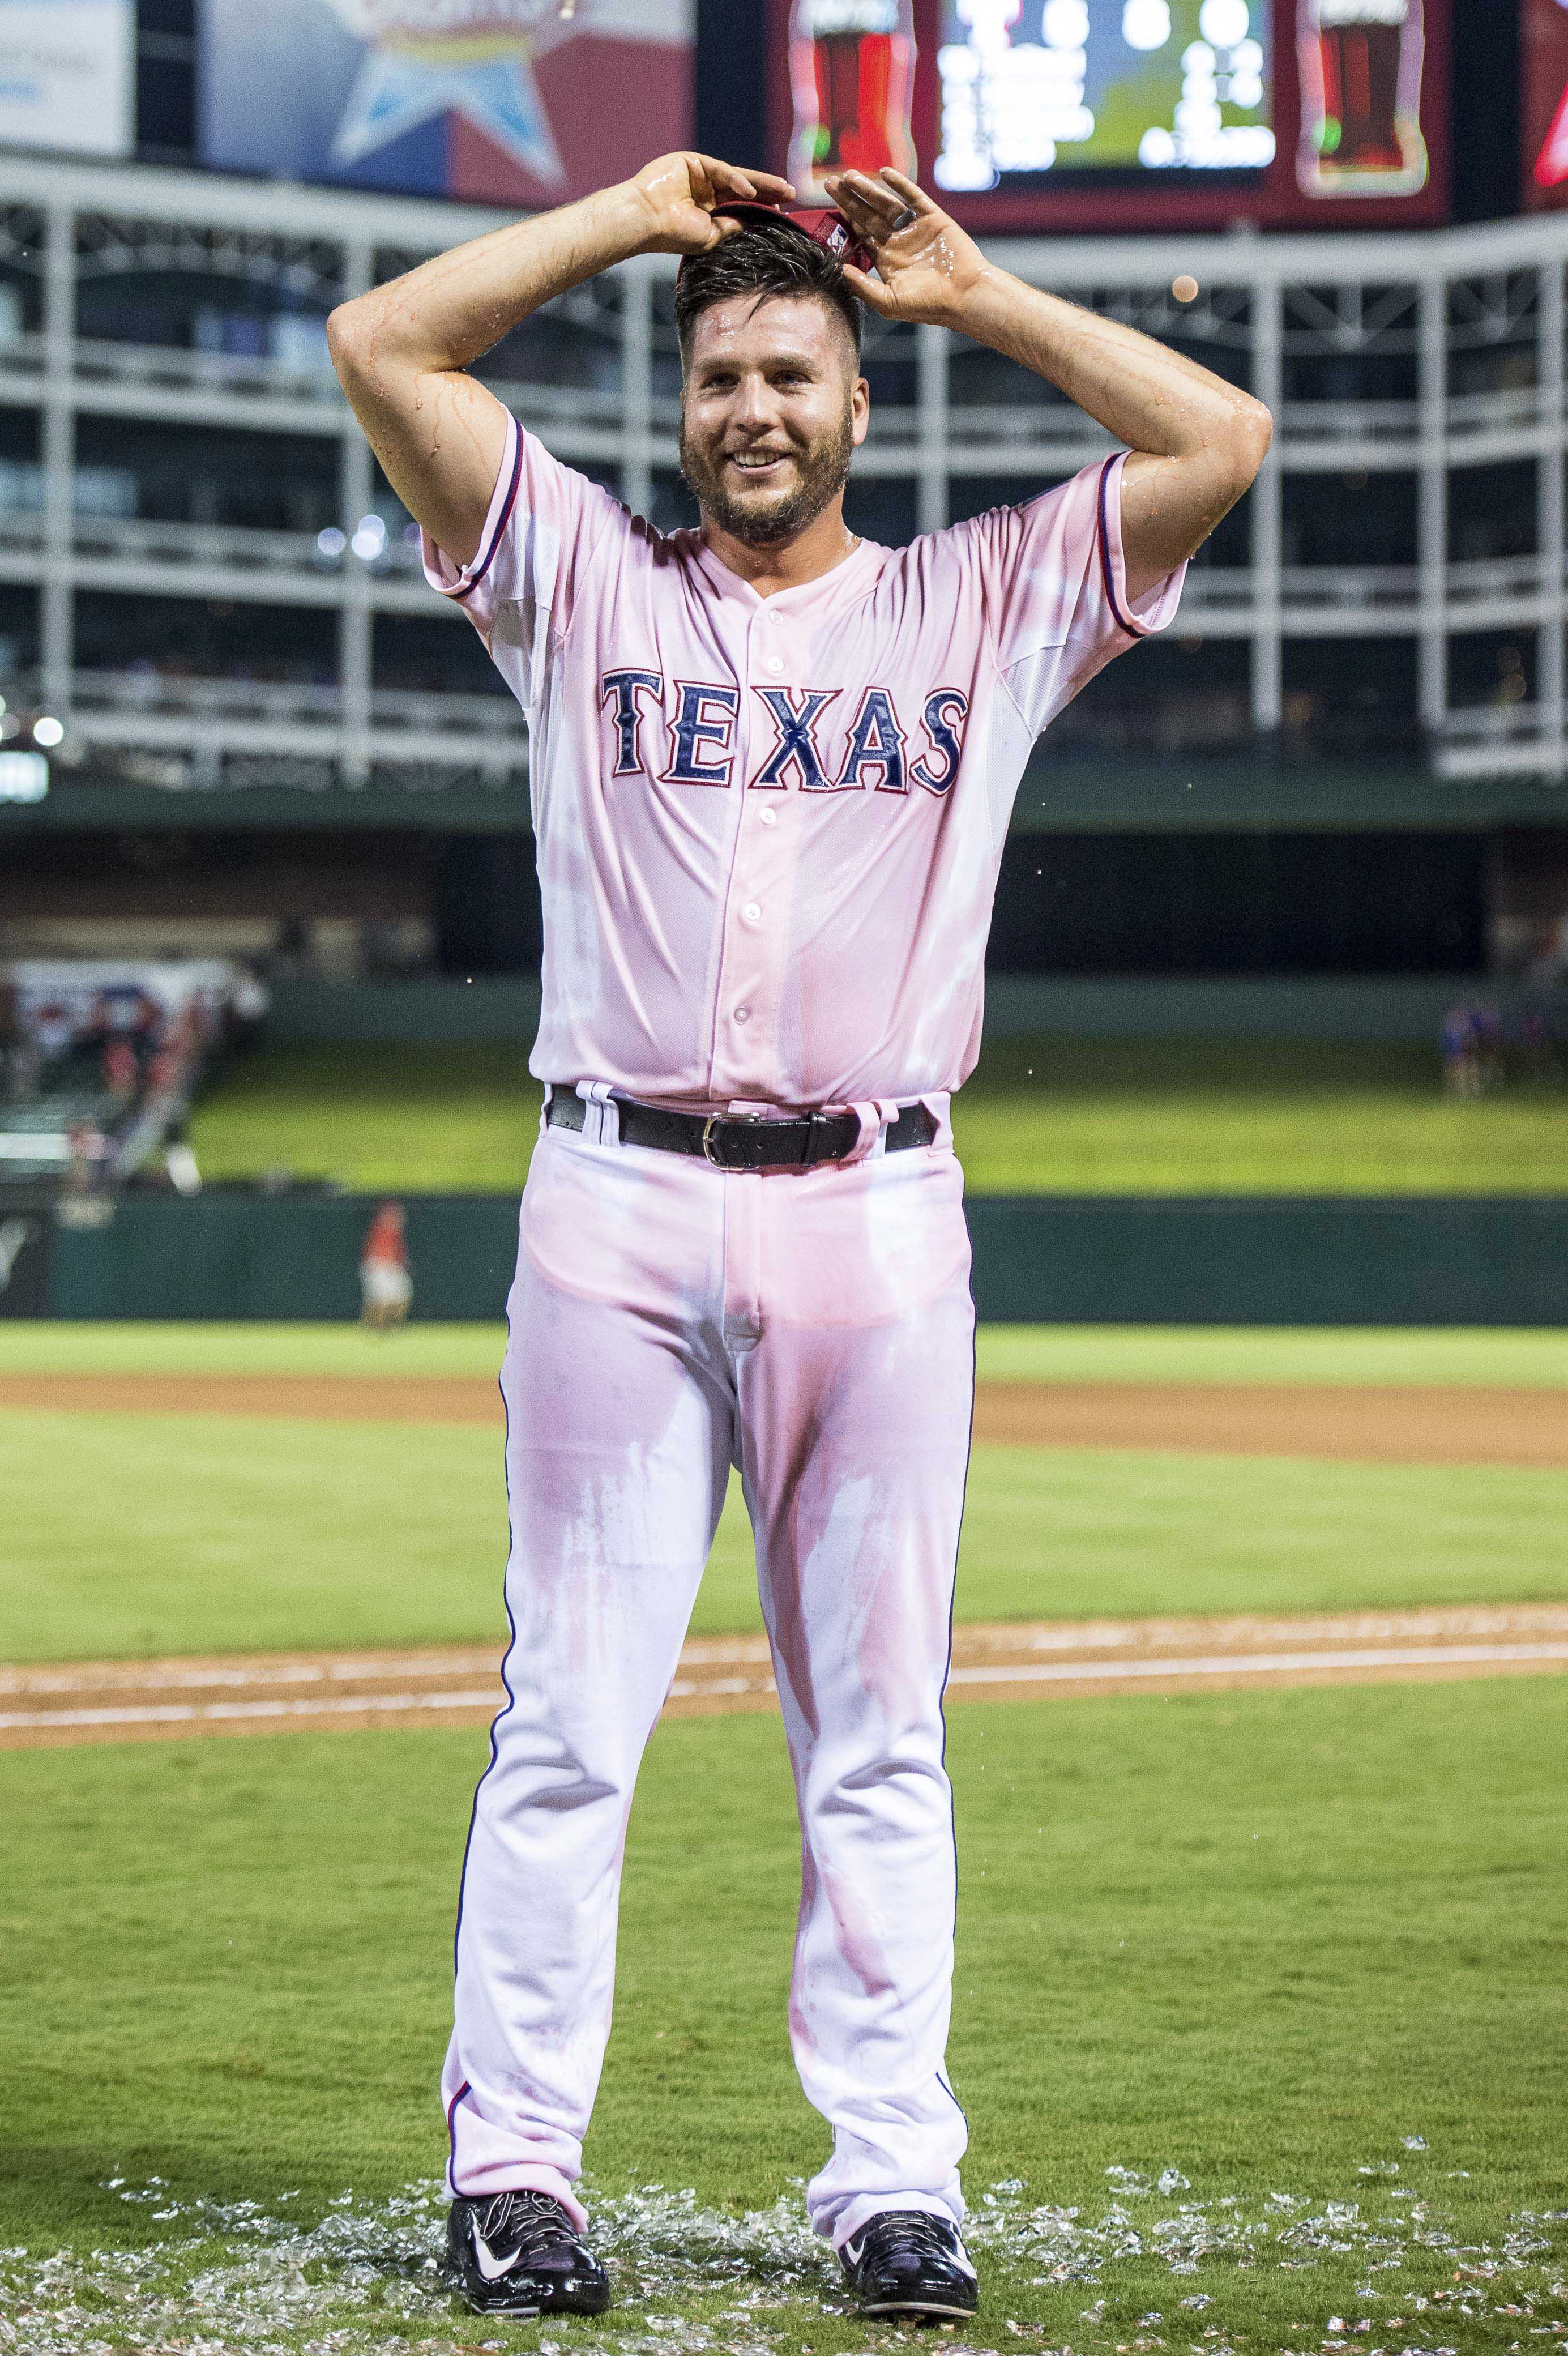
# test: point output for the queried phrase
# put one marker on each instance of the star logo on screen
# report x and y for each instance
(427, 59)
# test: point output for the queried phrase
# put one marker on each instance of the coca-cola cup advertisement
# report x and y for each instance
(1360, 98)
(1107, 115)
(851, 72)
(1543, 104)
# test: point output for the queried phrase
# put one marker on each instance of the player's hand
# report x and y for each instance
(677, 195)
(925, 265)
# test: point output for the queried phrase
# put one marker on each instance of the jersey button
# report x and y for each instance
(751, 912)
(769, 817)
(773, 662)
(742, 1014)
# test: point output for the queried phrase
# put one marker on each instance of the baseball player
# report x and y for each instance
(772, 767)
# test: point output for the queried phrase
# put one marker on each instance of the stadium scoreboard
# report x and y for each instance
(1038, 115)
(1125, 114)
(1157, 85)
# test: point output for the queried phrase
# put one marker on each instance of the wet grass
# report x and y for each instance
(1297, 1949)
(1047, 1116)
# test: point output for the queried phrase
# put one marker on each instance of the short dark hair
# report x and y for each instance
(766, 258)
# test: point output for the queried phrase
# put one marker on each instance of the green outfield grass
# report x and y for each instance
(227, 1534)
(1207, 1116)
(410, 1119)
(1301, 1949)
(148, 1533)
(1072, 1117)
(1449, 1354)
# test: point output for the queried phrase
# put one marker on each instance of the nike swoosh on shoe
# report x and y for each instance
(492, 2268)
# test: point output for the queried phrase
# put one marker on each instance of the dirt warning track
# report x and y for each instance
(118, 1701)
(1430, 1424)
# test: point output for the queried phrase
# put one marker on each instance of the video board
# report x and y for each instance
(68, 75)
(530, 102)
(1091, 85)
(1543, 104)
(1127, 113)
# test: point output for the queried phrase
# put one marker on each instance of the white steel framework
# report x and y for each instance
(1422, 355)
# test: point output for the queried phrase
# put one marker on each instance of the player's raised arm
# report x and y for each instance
(1197, 442)
(402, 350)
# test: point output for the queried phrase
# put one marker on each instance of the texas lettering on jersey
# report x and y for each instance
(779, 893)
(693, 722)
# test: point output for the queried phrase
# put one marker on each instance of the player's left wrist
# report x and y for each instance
(958, 303)
(972, 296)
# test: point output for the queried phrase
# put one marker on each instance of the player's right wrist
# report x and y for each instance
(631, 216)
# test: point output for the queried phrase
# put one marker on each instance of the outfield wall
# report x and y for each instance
(1037, 1259)
(1332, 1009)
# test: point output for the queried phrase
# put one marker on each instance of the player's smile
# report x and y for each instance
(763, 467)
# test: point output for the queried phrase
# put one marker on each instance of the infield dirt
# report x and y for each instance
(118, 1701)
(1381, 1424)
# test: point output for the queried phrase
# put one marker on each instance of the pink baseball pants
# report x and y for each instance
(815, 1329)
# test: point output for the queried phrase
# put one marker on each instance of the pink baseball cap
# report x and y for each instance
(825, 225)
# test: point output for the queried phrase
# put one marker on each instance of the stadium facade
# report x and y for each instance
(259, 730)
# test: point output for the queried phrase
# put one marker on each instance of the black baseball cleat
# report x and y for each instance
(905, 2261)
(520, 2254)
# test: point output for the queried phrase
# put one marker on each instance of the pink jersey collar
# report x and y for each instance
(852, 578)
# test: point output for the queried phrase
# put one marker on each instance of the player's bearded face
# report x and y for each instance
(769, 417)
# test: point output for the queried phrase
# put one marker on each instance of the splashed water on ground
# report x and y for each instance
(237, 2279)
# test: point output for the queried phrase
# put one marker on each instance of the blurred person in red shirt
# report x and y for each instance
(386, 1287)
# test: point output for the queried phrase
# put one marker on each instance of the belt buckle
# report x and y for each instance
(711, 1151)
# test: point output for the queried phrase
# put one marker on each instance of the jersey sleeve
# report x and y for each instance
(545, 525)
(1055, 591)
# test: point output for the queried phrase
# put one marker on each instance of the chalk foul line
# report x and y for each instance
(96, 1701)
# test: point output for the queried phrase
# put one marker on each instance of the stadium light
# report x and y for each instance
(48, 730)
(23, 777)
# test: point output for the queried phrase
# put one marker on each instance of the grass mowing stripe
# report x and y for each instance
(415, 1117)
(1468, 1358)
(146, 1534)
(1089, 1531)
(54, 1347)
(1213, 1116)
(1234, 1939)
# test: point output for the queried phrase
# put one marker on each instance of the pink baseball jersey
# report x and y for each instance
(769, 829)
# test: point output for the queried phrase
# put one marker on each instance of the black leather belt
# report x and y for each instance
(731, 1141)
